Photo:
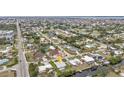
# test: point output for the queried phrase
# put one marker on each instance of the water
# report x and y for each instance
(90, 71)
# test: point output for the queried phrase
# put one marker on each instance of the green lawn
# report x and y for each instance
(29, 57)
(13, 62)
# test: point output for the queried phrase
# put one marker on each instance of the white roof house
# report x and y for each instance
(75, 62)
(89, 46)
(87, 59)
(112, 48)
(117, 52)
(102, 46)
(7, 34)
(52, 47)
(60, 65)
(43, 68)
(106, 62)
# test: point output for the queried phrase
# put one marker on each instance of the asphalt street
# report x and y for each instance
(22, 70)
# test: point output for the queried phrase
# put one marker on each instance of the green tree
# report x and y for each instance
(115, 60)
(33, 71)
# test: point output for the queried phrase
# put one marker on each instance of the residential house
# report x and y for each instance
(8, 35)
(60, 65)
(44, 68)
(88, 59)
(75, 62)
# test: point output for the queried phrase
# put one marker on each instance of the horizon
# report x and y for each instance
(83, 17)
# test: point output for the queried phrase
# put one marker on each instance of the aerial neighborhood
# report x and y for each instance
(61, 47)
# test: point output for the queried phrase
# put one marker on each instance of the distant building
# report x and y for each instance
(8, 35)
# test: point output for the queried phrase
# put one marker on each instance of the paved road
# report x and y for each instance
(22, 69)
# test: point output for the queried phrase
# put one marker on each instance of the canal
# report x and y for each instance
(90, 71)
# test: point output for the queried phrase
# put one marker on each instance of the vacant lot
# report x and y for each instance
(8, 74)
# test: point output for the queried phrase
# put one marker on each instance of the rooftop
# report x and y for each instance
(87, 59)
(60, 65)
